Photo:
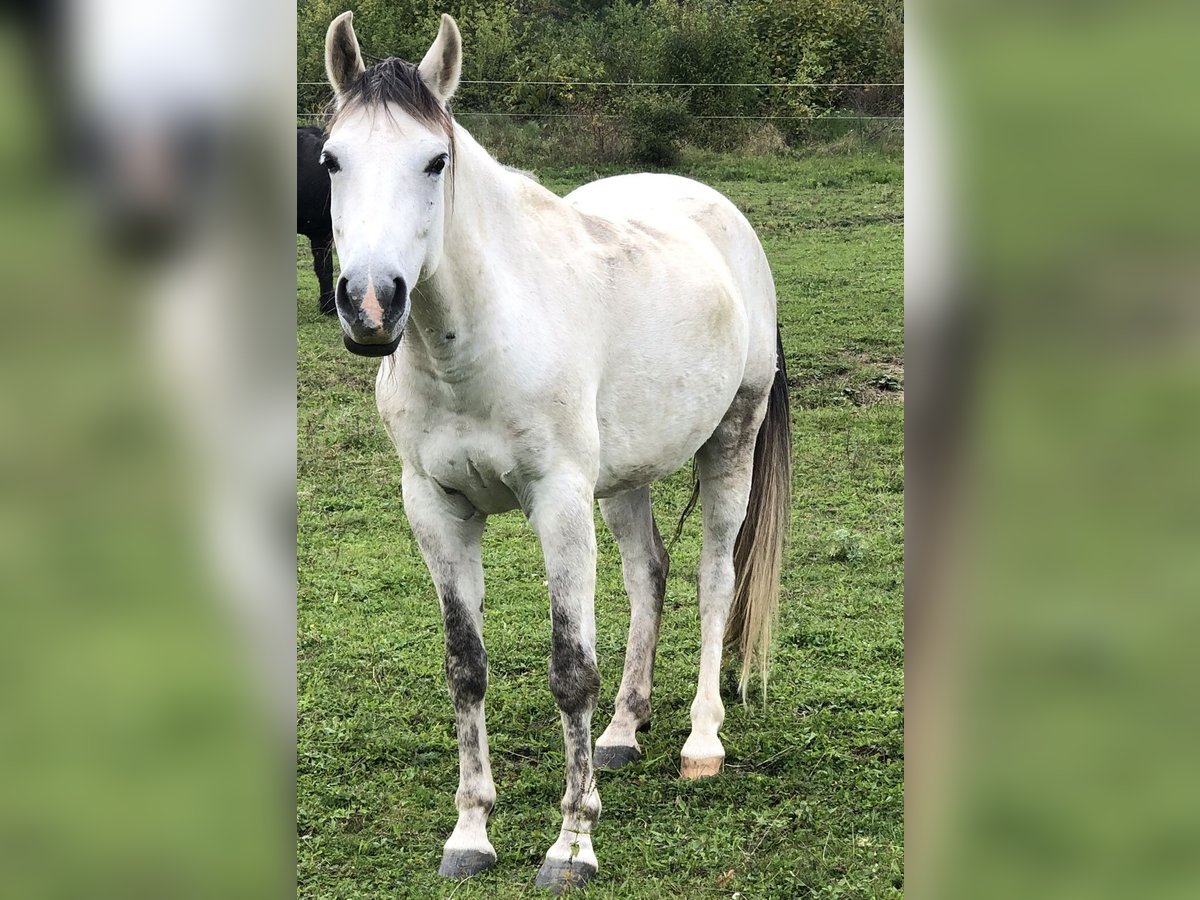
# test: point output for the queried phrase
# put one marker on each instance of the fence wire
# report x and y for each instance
(828, 115)
(687, 84)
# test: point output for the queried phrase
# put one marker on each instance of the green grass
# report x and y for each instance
(811, 800)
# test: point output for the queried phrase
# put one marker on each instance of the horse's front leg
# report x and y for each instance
(449, 532)
(560, 510)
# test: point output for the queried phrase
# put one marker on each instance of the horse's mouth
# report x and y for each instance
(371, 349)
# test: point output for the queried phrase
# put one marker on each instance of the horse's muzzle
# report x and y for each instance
(372, 315)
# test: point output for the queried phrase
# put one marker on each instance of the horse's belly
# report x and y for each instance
(652, 428)
(625, 475)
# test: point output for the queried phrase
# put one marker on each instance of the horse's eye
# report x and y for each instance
(329, 161)
(436, 165)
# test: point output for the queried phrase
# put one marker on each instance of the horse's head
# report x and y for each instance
(389, 154)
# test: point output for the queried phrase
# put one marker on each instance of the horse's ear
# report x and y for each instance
(343, 61)
(443, 62)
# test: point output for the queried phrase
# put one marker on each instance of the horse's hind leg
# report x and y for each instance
(644, 563)
(725, 464)
(450, 545)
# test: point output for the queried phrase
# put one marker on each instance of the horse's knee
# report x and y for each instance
(467, 676)
(466, 659)
(574, 678)
(575, 684)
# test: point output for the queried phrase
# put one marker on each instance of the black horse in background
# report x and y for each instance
(312, 208)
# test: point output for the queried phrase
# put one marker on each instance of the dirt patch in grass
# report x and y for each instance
(856, 377)
(884, 385)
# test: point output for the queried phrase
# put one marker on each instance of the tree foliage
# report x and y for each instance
(678, 44)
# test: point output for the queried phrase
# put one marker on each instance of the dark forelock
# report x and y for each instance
(395, 81)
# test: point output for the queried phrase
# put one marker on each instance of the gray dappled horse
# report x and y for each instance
(556, 351)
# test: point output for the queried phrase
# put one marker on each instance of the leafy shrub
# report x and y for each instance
(627, 40)
(657, 127)
(832, 42)
(712, 44)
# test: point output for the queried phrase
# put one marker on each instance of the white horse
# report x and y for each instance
(558, 350)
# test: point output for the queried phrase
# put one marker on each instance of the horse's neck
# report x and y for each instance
(488, 226)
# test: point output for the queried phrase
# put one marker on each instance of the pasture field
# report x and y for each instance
(811, 800)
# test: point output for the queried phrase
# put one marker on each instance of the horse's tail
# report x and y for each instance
(758, 551)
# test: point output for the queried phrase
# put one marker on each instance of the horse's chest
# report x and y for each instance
(462, 453)
(474, 464)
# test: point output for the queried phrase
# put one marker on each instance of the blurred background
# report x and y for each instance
(147, 471)
(1052, 493)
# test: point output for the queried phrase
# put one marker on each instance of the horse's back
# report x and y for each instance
(665, 200)
(648, 194)
(654, 205)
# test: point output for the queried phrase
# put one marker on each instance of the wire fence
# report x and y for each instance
(605, 120)
(682, 84)
(573, 84)
(533, 115)
(791, 85)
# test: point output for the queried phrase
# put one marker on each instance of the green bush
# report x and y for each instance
(657, 128)
(831, 41)
(628, 40)
(712, 44)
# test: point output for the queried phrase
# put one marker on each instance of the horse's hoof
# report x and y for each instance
(704, 767)
(328, 309)
(615, 757)
(465, 863)
(559, 877)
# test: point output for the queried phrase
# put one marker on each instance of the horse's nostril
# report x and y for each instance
(371, 304)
